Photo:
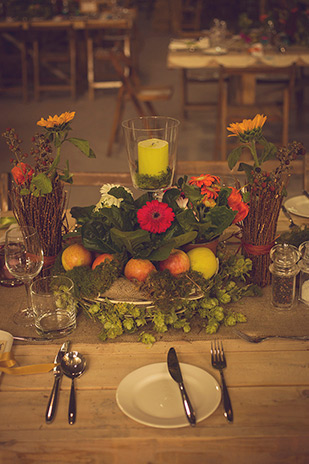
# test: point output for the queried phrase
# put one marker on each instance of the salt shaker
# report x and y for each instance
(304, 273)
(284, 270)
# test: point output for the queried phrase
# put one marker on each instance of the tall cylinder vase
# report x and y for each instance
(46, 214)
(259, 229)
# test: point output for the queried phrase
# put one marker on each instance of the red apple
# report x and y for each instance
(101, 258)
(177, 262)
(74, 256)
(138, 269)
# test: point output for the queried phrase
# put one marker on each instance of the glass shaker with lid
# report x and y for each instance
(304, 273)
(284, 270)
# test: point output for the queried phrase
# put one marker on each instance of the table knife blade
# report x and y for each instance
(175, 372)
(287, 215)
(53, 399)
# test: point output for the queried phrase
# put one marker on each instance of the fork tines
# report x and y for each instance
(217, 352)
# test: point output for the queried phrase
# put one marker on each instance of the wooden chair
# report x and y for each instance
(234, 109)
(186, 17)
(142, 97)
(54, 59)
(13, 61)
(100, 72)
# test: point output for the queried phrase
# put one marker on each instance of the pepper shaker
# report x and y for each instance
(304, 273)
(284, 270)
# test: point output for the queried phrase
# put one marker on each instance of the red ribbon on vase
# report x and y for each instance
(257, 250)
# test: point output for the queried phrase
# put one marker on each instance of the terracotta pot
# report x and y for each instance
(212, 245)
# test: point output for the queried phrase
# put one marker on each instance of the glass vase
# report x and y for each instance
(151, 144)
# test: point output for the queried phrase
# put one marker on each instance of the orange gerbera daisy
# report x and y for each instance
(56, 120)
(209, 185)
(248, 128)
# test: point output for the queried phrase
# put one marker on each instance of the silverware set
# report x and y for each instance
(72, 364)
(218, 361)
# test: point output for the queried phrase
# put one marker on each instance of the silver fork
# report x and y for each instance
(218, 361)
(256, 339)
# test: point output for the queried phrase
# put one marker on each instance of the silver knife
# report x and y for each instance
(175, 372)
(52, 402)
(287, 214)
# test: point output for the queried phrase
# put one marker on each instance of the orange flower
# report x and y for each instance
(236, 203)
(209, 185)
(53, 121)
(247, 126)
(22, 172)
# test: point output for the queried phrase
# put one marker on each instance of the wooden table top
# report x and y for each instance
(268, 385)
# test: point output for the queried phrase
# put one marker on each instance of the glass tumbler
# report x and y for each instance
(54, 306)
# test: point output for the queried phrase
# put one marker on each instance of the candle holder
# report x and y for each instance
(151, 144)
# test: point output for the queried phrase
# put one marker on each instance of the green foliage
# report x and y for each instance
(173, 309)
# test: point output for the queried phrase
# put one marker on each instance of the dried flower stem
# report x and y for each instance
(46, 214)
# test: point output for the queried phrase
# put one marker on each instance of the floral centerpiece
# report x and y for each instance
(37, 194)
(193, 211)
(266, 190)
(120, 227)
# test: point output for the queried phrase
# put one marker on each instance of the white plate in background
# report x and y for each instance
(298, 205)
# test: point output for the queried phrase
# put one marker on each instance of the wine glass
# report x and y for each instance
(24, 260)
(151, 143)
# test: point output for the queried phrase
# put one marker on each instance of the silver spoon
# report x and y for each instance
(73, 365)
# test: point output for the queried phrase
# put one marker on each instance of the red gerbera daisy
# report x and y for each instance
(155, 216)
(209, 185)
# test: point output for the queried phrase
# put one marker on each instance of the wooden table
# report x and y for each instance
(32, 29)
(268, 385)
(240, 59)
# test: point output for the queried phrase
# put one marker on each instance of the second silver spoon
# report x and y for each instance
(73, 364)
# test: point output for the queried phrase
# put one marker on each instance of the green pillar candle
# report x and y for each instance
(152, 156)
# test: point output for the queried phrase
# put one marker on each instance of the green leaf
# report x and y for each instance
(234, 156)
(134, 241)
(82, 214)
(247, 168)
(66, 176)
(270, 150)
(42, 183)
(83, 146)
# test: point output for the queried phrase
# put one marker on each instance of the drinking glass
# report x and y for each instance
(151, 143)
(54, 306)
(24, 260)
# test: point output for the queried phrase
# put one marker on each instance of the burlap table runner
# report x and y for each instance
(263, 319)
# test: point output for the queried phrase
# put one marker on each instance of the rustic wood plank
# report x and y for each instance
(262, 418)
(269, 363)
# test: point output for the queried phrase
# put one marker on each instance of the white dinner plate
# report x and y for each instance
(150, 396)
(298, 205)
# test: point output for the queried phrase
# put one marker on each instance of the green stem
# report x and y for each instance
(254, 153)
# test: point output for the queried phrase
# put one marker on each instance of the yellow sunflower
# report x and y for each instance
(248, 128)
(56, 120)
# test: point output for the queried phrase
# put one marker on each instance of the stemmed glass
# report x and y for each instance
(24, 260)
(151, 143)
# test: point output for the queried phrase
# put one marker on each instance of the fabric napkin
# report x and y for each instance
(7, 361)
